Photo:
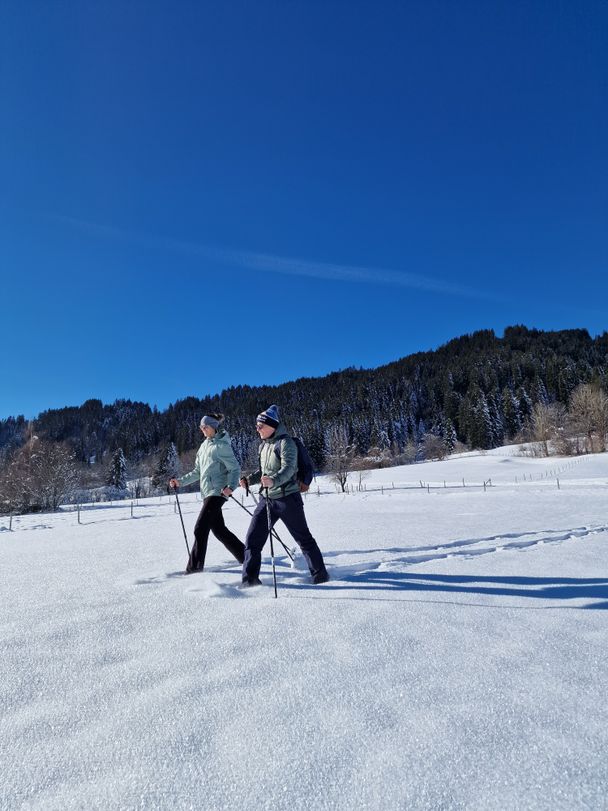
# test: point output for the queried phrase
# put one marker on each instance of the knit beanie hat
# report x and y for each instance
(212, 420)
(270, 416)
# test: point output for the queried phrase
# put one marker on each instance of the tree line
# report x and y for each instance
(478, 390)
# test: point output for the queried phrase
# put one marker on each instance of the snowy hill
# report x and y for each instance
(456, 660)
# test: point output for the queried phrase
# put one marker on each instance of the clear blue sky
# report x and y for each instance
(195, 195)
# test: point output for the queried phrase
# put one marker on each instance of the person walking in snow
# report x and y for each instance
(281, 490)
(218, 470)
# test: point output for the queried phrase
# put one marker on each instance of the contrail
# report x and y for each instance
(349, 273)
(288, 266)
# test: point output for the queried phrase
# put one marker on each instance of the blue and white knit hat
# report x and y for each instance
(270, 416)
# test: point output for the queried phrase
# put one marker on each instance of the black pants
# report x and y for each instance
(211, 519)
(290, 509)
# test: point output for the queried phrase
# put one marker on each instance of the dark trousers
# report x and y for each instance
(290, 509)
(211, 519)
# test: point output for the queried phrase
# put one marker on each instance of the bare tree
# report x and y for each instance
(589, 412)
(602, 419)
(18, 488)
(546, 421)
(340, 454)
(362, 475)
(55, 474)
(7, 495)
(409, 454)
(434, 447)
(41, 476)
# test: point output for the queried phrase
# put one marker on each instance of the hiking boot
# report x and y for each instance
(320, 577)
(249, 584)
(193, 566)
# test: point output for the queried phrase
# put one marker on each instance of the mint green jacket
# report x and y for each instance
(284, 470)
(216, 466)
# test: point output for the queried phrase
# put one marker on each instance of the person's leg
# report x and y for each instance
(257, 535)
(201, 535)
(291, 511)
(221, 531)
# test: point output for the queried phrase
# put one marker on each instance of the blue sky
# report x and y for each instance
(195, 195)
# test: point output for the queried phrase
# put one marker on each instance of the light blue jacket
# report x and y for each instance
(216, 466)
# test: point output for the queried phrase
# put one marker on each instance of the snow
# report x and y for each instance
(457, 658)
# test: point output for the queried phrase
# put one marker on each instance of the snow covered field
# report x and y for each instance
(456, 660)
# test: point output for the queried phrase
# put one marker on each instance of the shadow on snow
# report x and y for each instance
(544, 588)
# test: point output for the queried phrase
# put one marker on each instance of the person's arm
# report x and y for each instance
(233, 469)
(188, 478)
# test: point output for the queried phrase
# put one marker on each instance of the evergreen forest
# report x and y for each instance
(479, 390)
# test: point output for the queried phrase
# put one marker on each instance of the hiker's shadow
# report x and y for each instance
(542, 588)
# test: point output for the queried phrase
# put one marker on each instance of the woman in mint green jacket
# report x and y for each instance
(218, 471)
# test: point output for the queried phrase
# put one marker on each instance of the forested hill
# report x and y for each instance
(478, 388)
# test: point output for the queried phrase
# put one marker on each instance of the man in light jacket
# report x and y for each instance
(281, 490)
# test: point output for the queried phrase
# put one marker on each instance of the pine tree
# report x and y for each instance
(525, 403)
(448, 434)
(168, 466)
(496, 414)
(539, 392)
(481, 426)
(172, 463)
(510, 410)
(117, 474)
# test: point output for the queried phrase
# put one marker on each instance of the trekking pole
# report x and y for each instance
(274, 532)
(293, 550)
(274, 574)
(182, 520)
